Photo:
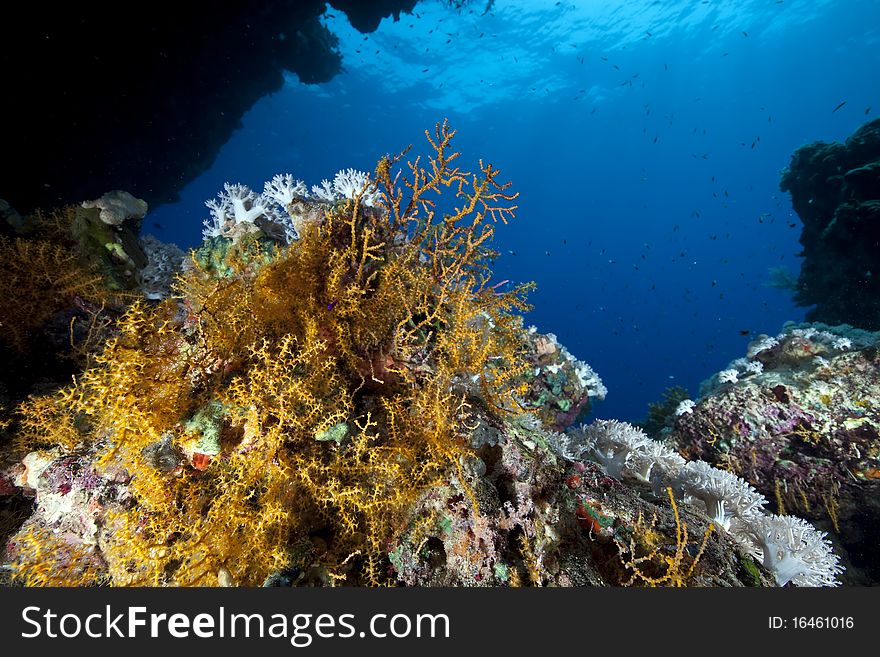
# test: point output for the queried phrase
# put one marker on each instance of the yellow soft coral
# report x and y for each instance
(336, 369)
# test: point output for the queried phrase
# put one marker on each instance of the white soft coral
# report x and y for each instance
(612, 444)
(348, 183)
(795, 551)
(234, 212)
(791, 548)
(324, 191)
(725, 495)
(283, 189)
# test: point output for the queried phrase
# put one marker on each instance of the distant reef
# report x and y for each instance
(142, 97)
(835, 190)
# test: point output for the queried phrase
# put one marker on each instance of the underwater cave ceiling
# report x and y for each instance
(128, 96)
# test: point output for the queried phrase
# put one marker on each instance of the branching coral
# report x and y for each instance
(309, 393)
(653, 567)
(42, 274)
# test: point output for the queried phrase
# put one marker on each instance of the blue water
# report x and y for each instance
(627, 128)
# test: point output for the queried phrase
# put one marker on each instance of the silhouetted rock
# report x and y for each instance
(835, 190)
(142, 97)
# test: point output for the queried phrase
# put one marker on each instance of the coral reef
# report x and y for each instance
(659, 412)
(561, 387)
(338, 393)
(544, 519)
(310, 390)
(163, 262)
(66, 280)
(799, 422)
(41, 278)
(835, 190)
(68, 274)
(795, 553)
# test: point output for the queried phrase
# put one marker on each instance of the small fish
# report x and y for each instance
(838, 107)
(867, 110)
(744, 332)
(745, 34)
